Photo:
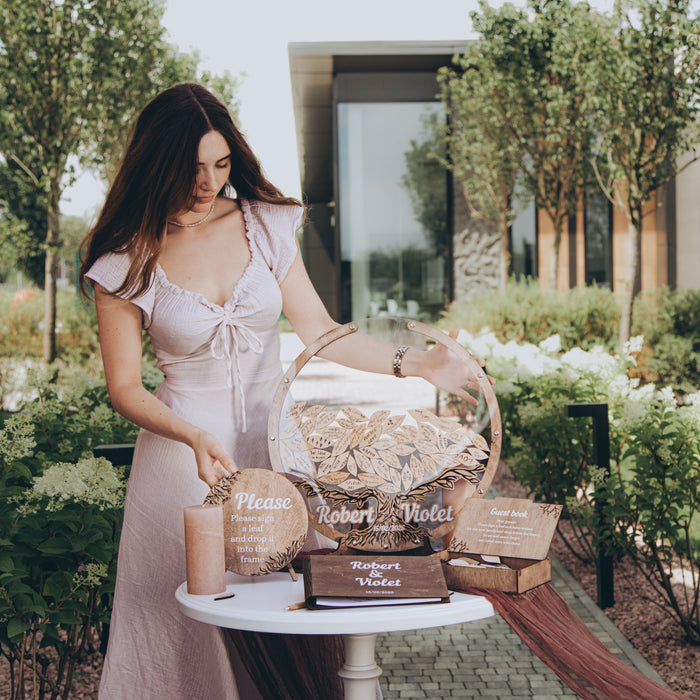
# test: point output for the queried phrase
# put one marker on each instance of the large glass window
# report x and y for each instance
(597, 222)
(392, 204)
(523, 243)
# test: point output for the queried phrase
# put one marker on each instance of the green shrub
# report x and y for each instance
(651, 499)
(22, 320)
(60, 516)
(527, 313)
(669, 321)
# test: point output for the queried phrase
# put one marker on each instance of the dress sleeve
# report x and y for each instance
(109, 272)
(273, 228)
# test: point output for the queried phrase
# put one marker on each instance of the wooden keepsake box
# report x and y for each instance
(501, 543)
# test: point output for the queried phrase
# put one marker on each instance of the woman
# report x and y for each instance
(207, 276)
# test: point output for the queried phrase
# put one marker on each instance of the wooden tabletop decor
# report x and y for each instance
(265, 521)
(376, 481)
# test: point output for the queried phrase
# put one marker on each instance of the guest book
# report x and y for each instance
(339, 580)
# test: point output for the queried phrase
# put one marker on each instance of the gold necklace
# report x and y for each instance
(196, 223)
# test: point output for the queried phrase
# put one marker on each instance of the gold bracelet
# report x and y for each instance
(398, 359)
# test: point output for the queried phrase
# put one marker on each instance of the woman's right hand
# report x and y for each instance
(213, 464)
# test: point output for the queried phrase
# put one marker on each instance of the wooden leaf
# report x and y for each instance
(345, 423)
(318, 455)
(364, 464)
(289, 431)
(325, 467)
(295, 410)
(352, 465)
(403, 449)
(333, 433)
(389, 458)
(370, 452)
(442, 442)
(303, 464)
(370, 480)
(429, 464)
(307, 428)
(420, 415)
(384, 443)
(371, 436)
(427, 432)
(406, 478)
(377, 418)
(466, 459)
(479, 441)
(352, 485)
(325, 418)
(319, 441)
(410, 431)
(426, 447)
(341, 461)
(477, 453)
(313, 411)
(342, 444)
(334, 478)
(393, 422)
(354, 414)
(389, 488)
(417, 468)
(356, 435)
(381, 468)
(396, 478)
(296, 444)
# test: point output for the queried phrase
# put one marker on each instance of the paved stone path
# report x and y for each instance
(472, 660)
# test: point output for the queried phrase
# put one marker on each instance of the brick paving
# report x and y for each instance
(482, 659)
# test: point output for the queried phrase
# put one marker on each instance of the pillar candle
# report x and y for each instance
(204, 549)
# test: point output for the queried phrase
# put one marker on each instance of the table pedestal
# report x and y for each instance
(359, 672)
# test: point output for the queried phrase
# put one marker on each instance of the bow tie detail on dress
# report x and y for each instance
(230, 339)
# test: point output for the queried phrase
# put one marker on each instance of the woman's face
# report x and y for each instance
(213, 168)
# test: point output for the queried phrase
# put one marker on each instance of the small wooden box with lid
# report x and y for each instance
(501, 543)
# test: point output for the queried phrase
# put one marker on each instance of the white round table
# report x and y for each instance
(261, 602)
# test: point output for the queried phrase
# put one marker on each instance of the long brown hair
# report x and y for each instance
(157, 179)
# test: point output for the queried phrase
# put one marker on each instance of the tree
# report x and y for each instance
(23, 210)
(72, 74)
(525, 91)
(481, 154)
(648, 110)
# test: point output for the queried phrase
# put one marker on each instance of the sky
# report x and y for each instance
(252, 38)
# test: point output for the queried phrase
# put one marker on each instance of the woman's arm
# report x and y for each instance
(310, 319)
(119, 324)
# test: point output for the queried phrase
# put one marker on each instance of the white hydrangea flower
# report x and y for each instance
(90, 575)
(667, 397)
(551, 344)
(632, 348)
(90, 481)
(17, 438)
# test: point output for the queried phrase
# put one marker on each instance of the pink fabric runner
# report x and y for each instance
(558, 636)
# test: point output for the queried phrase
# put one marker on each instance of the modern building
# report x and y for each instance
(389, 232)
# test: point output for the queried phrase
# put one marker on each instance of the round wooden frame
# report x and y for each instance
(422, 329)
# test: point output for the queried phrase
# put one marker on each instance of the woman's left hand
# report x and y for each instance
(450, 373)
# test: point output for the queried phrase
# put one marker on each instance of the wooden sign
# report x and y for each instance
(340, 580)
(382, 480)
(265, 521)
(377, 478)
(505, 527)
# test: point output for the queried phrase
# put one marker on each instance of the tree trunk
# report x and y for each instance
(554, 272)
(52, 245)
(634, 238)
